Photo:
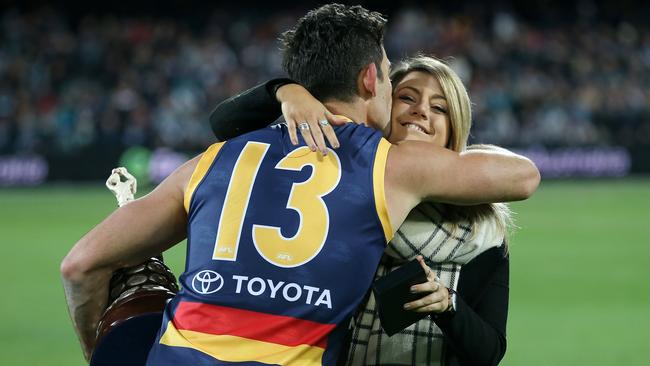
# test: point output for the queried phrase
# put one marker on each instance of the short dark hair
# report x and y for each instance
(330, 45)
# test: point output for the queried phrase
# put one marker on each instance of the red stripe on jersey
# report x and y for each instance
(221, 320)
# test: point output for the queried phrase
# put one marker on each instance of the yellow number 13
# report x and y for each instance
(306, 198)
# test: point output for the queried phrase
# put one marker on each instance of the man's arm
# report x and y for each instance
(133, 233)
(417, 171)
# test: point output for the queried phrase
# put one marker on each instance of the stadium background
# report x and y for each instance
(85, 87)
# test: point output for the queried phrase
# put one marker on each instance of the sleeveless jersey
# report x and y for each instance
(283, 244)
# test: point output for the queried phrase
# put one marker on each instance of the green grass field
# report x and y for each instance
(579, 268)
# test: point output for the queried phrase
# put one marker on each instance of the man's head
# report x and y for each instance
(337, 53)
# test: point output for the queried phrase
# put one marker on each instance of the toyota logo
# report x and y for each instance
(207, 282)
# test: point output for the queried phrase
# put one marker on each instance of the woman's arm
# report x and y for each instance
(248, 111)
(261, 105)
(476, 333)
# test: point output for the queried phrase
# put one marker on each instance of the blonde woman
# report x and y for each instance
(467, 289)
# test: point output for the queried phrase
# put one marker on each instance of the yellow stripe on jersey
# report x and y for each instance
(238, 349)
(378, 174)
(200, 171)
(379, 171)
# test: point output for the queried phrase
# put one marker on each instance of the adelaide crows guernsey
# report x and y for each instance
(283, 244)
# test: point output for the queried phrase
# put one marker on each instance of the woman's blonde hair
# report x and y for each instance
(460, 121)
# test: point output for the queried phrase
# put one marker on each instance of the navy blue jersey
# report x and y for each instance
(283, 244)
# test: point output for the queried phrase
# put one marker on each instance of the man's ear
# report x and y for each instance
(369, 79)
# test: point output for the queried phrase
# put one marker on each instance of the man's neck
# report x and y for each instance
(355, 111)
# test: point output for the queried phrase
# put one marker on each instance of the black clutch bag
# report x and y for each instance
(393, 291)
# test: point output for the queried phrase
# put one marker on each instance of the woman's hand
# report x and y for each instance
(301, 110)
(437, 295)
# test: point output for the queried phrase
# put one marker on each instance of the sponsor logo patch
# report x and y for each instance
(207, 282)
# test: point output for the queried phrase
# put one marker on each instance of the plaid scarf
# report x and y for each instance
(425, 233)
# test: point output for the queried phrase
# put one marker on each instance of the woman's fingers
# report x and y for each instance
(325, 123)
(291, 126)
(312, 120)
(430, 275)
(336, 120)
(317, 134)
(434, 302)
(437, 296)
(426, 287)
(432, 283)
(305, 130)
(438, 307)
(314, 131)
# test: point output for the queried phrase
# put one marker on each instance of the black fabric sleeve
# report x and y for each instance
(476, 333)
(248, 111)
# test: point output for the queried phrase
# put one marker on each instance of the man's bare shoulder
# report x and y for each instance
(405, 177)
(409, 161)
(183, 174)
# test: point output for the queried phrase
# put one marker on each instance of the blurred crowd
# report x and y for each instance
(113, 82)
(584, 83)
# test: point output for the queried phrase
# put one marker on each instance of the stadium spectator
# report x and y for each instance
(104, 80)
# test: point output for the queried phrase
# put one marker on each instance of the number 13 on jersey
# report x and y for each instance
(306, 198)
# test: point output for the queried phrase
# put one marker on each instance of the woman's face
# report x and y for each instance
(420, 110)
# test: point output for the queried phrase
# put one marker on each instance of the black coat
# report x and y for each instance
(476, 334)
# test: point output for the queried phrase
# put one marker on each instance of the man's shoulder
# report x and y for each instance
(355, 136)
(352, 136)
(356, 128)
